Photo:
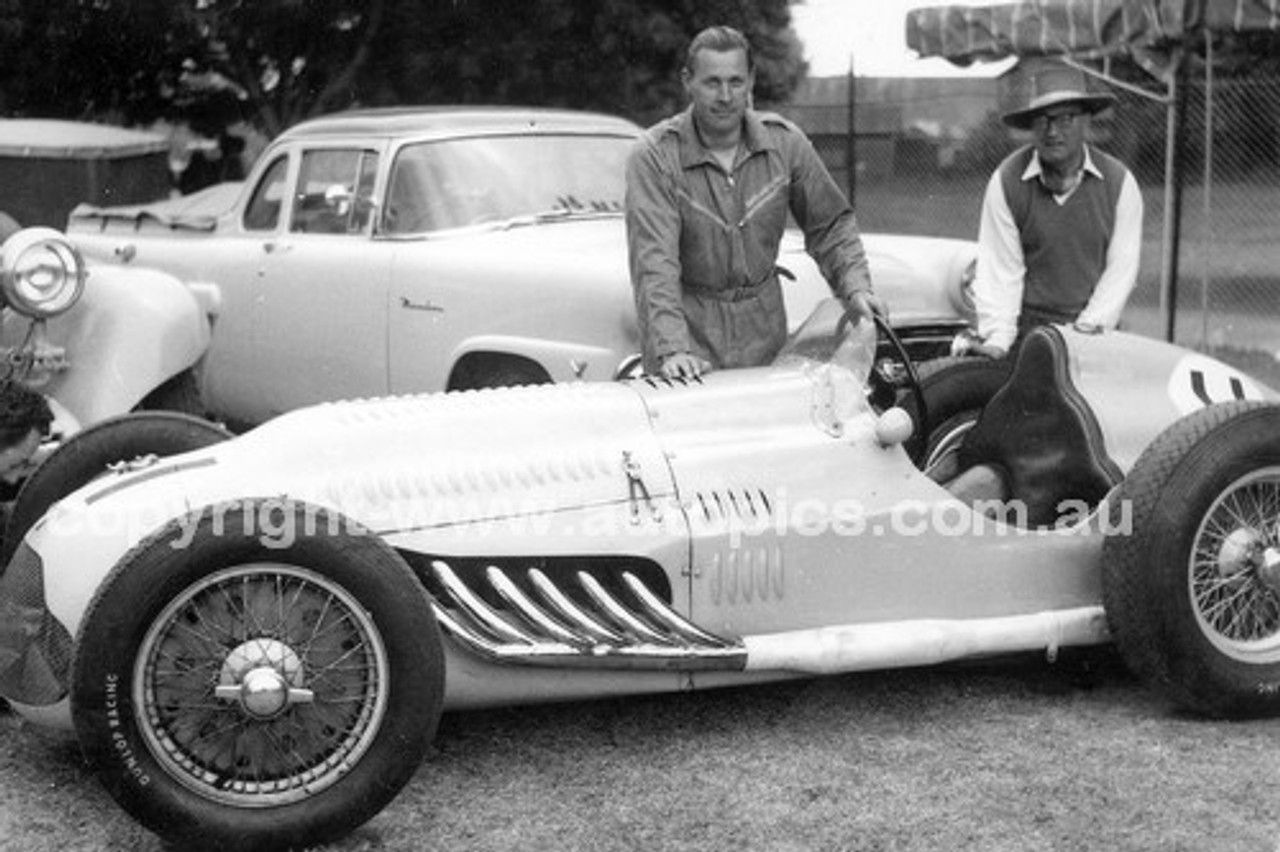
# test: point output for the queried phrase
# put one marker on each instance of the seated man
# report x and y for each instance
(25, 417)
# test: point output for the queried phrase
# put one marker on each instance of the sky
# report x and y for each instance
(873, 33)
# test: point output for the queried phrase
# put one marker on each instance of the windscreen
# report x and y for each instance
(463, 182)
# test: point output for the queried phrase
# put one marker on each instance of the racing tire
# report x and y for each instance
(89, 453)
(1191, 562)
(232, 692)
(955, 390)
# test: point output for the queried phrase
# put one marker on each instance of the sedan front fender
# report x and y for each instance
(563, 361)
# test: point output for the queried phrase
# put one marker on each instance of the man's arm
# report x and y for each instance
(999, 278)
(653, 247)
(830, 229)
(1123, 254)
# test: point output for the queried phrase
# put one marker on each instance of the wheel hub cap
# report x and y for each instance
(264, 676)
(1239, 552)
(1269, 572)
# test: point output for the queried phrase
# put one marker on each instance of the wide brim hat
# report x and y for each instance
(1035, 88)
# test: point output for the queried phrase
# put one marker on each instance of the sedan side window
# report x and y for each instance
(263, 210)
(335, 192)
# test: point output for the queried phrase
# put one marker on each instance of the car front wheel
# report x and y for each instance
(259, 675)
(1191, 563)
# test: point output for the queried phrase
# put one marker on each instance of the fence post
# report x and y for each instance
(851, 144)
(1207, 236)
(1173, 193)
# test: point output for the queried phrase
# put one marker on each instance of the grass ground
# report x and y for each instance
(1011, 755)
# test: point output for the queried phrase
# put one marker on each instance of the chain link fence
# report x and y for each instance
(925, 149)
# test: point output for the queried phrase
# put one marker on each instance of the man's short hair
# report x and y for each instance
(721, 40)
(21, 410)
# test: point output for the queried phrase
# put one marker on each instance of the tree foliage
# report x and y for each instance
(275, 62)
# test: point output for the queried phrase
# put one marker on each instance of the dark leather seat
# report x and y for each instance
(1040, 435)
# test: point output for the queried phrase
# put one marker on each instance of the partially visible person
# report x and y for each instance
(8, 226)
(708, 193)
(25, 418)
(1061, 228)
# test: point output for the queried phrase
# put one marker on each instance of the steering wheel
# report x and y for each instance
(883, 386)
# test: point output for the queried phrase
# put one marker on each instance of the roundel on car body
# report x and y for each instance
(1197, 381)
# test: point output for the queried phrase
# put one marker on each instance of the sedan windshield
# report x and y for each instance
(462, 182)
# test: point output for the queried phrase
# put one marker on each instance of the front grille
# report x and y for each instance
(35, 649)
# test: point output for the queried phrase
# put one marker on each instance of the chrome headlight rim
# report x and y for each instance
(42, 274)
(630, 367)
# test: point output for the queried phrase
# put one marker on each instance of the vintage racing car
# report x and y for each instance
(254, 641)
(369, 253)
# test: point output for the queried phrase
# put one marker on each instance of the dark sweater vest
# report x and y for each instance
(1064, 246)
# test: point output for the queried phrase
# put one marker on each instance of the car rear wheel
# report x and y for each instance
(89, 454)
(260, 675)
(955, 390)
(1191, 565)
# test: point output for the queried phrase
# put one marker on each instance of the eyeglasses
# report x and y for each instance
(1061, 121)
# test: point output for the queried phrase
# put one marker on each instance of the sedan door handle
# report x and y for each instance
(273, 248)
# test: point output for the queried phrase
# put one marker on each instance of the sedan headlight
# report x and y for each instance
(42, 274)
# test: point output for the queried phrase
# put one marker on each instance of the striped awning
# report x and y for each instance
(56, 139)
(1085, 29)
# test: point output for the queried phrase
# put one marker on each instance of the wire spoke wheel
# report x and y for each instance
(955, 391)
(1235, 569)
(261, 685)
(238, 692)
(1191, 573)
(946, 440)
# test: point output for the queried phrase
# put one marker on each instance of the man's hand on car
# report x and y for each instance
(968, 343)
(862, 304)
(683, 365)
(986, 350)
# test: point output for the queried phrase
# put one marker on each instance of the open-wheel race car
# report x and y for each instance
(253, 642)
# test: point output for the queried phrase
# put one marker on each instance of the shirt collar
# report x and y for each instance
(693, 153)
(1034, 170)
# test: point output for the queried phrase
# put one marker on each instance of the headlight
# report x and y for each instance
(42, 274)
